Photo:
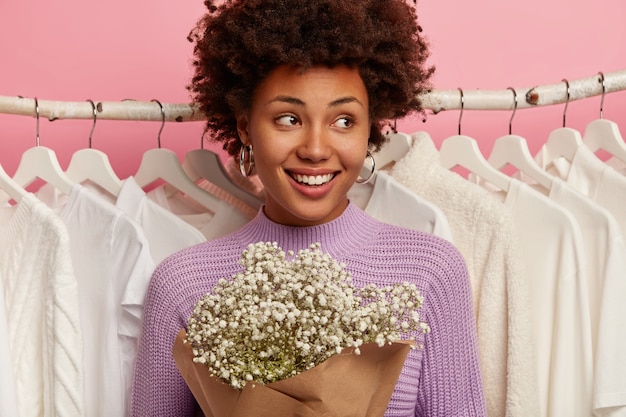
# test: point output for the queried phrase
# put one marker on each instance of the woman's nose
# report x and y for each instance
(315, 145)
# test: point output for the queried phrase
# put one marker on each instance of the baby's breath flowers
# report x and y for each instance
(283, 316)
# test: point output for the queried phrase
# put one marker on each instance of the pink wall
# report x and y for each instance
(119, 49)
(495, 44)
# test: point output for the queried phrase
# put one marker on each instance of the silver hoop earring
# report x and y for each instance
(364, 180)
(242, 160)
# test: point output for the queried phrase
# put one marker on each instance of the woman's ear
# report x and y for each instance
(242, 129)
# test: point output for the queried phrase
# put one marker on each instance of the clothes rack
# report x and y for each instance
(435, 100)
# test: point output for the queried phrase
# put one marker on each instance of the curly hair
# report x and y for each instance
(239, 42)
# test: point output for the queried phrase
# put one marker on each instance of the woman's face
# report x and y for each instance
(309, 133)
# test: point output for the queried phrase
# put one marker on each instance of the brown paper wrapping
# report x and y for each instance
(345, 385)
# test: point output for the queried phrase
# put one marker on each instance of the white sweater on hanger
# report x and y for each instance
(483, 231)
(8, 397)
(42, 311)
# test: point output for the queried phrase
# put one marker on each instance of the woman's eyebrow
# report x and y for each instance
(287, 99)
(298, 102)
(345, 100)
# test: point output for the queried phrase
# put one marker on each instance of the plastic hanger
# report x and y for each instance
(461, 150)
(203, 163)
(41, 162)
(394, 150)
(602, 134)
(10, 187)
(163, 164)
(513, 150)
(93, 165)
(563, 141)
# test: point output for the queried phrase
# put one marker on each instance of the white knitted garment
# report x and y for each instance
(41, 298)
(484, 233)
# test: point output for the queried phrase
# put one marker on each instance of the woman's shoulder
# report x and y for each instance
(418, 253)
(214, 250)
(415, 240)
(206, 262)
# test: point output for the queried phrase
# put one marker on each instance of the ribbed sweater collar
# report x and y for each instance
(346, 234)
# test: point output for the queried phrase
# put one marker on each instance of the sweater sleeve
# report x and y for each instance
(64, 328)
(158, 388)
(451, 382)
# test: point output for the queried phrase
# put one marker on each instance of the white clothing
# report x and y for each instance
(556, 267)
(483, 231)
(42, 311)
(605, 249)
(166, 232)
(225, 220)
(391, 202)
(8, 396)
(609, 392)
(617, 164)
(113, 266)
(592, 177)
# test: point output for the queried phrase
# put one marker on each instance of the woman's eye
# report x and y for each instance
(344, 122)
(287, 120)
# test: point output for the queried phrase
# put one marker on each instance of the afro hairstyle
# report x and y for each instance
(237, 43)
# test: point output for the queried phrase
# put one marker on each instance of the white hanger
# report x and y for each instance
(10, 187)
(93, 165)
(602, 134)
(461, 150)
(394, 150)
(513, 150)
(203, 163)
(163, 164)
(41, 162)
(563, 141)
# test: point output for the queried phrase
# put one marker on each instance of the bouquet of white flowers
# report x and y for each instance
(261, 337)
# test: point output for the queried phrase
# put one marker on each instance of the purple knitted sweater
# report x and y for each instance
(443, 379)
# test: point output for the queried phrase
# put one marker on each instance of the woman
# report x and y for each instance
(299, 90)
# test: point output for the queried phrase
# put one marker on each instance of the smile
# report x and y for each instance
(313, 179)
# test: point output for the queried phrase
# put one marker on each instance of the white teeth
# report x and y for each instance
(313, 179)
